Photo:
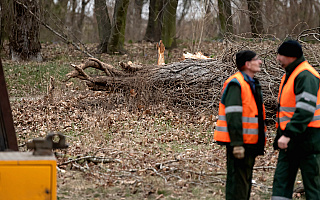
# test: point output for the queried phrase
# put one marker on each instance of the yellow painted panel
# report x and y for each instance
(8, 162)
(37, 162)
(27, 182)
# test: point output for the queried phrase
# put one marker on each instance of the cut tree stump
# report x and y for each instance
(161, 48)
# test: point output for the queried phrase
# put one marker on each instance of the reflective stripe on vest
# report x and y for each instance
(289, 102)
(249, 114)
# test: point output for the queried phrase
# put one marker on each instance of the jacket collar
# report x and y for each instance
(289, 69)
(247, 78)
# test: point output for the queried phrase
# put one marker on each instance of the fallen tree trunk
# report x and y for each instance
(194, 85)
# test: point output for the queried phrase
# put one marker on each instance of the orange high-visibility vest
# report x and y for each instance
(288, 99)
(249, 110)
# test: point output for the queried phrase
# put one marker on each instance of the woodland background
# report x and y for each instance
(141, 139)
(111, 23)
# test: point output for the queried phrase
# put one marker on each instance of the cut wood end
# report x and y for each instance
(197, 55)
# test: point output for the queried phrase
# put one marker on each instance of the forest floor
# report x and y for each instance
(119, 152)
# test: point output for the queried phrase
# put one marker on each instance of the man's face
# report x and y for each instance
(284, 60)
(254, 64)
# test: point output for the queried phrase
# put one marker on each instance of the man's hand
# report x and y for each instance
(238, 152)
(283, 142)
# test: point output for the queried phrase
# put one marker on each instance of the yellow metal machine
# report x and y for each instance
(25, 175)
(31, 175)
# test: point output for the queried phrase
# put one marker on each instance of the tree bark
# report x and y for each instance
(24, 38)
(255, 17)
(168, 32)
(61, 10)
(47, 10)
(116, 40)
(1, 24)
(153, 32)
(84, 3)
(6, 14)
(185, 10)
(104, 24)
(225, 18)
(73, 17)
(189, 84)
(134, 21)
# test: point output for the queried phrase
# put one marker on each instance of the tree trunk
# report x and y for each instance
(84, 3)
(47, 9)
(188, 84)
(1, 27)
(104, 24)
(255, 17)
(153, 32)
(116, 39)
(168, 32)
(24, 37)
(61, 10)
(185, 9)
(1, 24)
(73, 18)
(225, 17)
(6, 14)
(134, 21)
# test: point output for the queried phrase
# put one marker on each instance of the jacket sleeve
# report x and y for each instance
(306, 87)
(233, 108)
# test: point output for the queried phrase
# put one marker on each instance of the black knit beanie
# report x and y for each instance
(290, 48)
(243, 56)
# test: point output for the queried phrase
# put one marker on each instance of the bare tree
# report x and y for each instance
(104, 24)
(84, 3)
(116, 39)
(134, 24)
(1, 23)
(61, 10)
(74, 14)
(153, 32)
(186, 4)
(24, 36)
(168, 31)
(225, 17)
(255, 17)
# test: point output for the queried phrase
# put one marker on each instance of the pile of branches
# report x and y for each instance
(192, 85)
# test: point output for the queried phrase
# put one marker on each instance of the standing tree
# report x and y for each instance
(73, 14)
(169, 23)
(185, 9)
(1, 24)
(225, 18)
(134, 20)
(104, 24)
(255, 17)
(116, 39)
(24, 37)
(84, 3)
(153, 32)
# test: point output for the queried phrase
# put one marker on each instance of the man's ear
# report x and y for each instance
(246, 65)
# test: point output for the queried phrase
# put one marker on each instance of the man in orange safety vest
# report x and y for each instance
(298, 125)
(241, 124)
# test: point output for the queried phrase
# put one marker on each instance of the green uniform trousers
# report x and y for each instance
(239, 176)
(286, 172)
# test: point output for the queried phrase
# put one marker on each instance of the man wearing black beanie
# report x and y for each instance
(241, 126)
(298, 125)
